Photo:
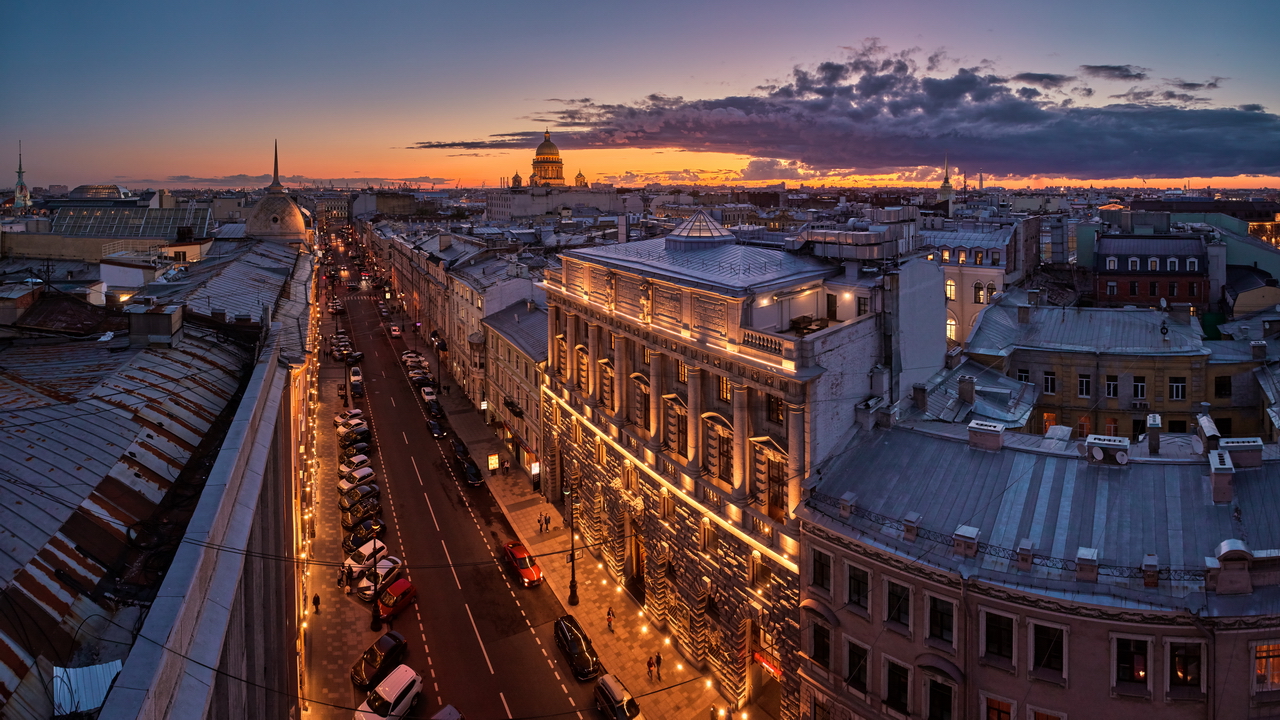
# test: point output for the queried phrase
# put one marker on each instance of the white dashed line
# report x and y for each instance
(477, 631)
(451, 567)
(393, 401)
(406, 437)
(504, 705)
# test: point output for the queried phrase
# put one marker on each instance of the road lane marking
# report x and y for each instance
(393, 401)
(504, 705)
(455, 570)
(557, 675)
(406, 437)
(477, 630)
(429, 508)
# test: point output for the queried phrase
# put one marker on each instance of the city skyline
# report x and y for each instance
(839, 94)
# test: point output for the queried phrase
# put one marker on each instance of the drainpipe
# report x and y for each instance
(1211, 659)
(969, 645)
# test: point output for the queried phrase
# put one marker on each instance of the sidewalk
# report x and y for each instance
(683, 691)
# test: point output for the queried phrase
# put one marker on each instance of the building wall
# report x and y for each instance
(53, 247)
(516, 378)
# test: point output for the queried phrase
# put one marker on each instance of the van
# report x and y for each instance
(614, 701)
(356, 375)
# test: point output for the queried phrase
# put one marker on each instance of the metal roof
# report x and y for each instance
(966, 238)
(525, 329)
(140, 222)
(1150, 245)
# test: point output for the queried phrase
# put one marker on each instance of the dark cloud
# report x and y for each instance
(1213, 84)
(1028, 93)
(878, 112)
(257, 181)
(1083, 91)
(1252, 107)
(1048, 81)
(771, 169)
(1115, 72)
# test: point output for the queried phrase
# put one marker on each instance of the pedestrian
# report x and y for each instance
(657, 661)
(608, 618)
(506, 467)
(651, 665)
(539, 523)
(342, 576)
(714, 712)
(316, 602)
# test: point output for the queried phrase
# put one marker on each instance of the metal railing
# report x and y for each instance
(762, 342)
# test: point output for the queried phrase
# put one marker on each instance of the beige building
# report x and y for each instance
(517, 341)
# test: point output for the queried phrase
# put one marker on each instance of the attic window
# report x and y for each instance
(275, 219)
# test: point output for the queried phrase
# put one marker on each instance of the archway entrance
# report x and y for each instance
(637, 555)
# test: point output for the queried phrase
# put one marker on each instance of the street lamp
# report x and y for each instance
(375, 624)
(573, 548)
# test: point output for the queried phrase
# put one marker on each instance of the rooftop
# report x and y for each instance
(140, 222)
(1150, 245)
(522, 327)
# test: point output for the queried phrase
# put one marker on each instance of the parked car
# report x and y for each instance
(381, 575)
(347, 415)
(352, 424)
(421, 379)
(428, 394)
(366, 555)
(357, 494)
(354, 358)
(358, 435)
(459, 448)
(356, 375)
(613, 700)
(381, 657)
(448, 712)
(360, 512)
(396, 597)
(524, 563)
(576, 646)
(357, 449)
(393, 697)
(409, 354)
(357, 389)
(363, 533)
(435, 409)
(362, 476)
(395, 331)
(437, 430)
(337, 310)
(471, 473)
(338, 354)
(353, 464)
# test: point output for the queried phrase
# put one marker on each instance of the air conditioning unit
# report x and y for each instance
(1106, 450)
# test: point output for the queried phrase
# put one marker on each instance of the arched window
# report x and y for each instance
(977, 293)
(1171, 265)
(1153, 264)
(1111, 263)
(951, 289)
(991, 291)
(1134, 263)
(1193, 265)
(951, 328)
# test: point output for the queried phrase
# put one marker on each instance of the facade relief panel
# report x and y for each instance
(629, 291)
(574, 277)
(668, 308)
(709, 316)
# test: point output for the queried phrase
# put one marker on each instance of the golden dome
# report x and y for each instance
(547, 148)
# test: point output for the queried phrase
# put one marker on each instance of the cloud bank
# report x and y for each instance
(244, 180)
(877, 111)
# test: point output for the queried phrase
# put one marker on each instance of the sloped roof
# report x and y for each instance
(525, 329)
(1150, 245)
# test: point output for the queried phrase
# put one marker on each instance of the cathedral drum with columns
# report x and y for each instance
(548, 168)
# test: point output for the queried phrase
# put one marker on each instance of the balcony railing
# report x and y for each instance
(763, 342)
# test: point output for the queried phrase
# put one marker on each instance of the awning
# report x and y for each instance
(821, 608)
(942, 665)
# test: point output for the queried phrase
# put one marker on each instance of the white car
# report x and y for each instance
(352, 424)
(395, 331)
(363, 476)
(352, 464)
(368, 554)
(356, 375)
(383, 573)
(393, 697)
(347, 415)
(428, 394)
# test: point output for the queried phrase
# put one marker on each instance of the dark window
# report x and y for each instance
(1084, 386)
(897, 687)
(775, 409)
(1177, 388)
(1193, 289)
(1131, 661)
(831, 306)
(1113, 386)
(1177, 426)
(821, 570)
(1222, 386)
(1133, 287)
(1050, 383)
(1184, 665)
(1173, 289)
(724, 458)
(898, 608)
(1154, 289)
(999, 640)
(777, 489)
(856, 667)
(1024, 376)
(1224, 426)
(941, 619)
(940, 700)
(641, 407)
(859, 587)
(821, 645)
(864, 306)
(1111, 289)
(1139, 387)
(1048, 648)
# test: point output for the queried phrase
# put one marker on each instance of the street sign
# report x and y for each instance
(493, 461)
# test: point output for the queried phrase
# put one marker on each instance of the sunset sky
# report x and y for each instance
(844, 92)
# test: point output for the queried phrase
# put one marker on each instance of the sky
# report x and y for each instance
(846, 92)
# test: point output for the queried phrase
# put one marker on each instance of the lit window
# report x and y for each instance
(977, 257)
(1111, 263)
(725, 389)
(1266, 660)
(1184, 665)
(951, 289)
(991, 291)
(978, 293)
(963, 257)
(946, 255)
(951, 328)
(1131, 661)
(1084, 427)
(1153, 264)
(682, 372)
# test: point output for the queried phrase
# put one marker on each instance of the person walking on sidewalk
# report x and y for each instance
(651, 664)
(608, 618)
(657, 661)
(316, 602)
(539, 523)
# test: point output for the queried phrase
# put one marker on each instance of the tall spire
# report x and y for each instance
(546, 134)
(275, 186)
(21, 195)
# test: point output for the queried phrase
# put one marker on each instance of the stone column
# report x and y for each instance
(553, 322)
(795, 457)
(622, 349)
(741, 430)
(571, 353)
(593, 364)
(695, 418)
(656, 362)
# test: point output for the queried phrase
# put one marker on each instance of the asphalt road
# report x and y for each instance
(481, 642)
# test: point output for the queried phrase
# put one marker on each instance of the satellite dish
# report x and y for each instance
(1122, 457)
(1197, 445)
(1096, 453)
(1082, 449)
(1164, 304)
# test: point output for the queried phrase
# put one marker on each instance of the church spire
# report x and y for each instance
(275, 186)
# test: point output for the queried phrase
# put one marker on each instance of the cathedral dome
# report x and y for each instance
(547, 148)
(277, 216)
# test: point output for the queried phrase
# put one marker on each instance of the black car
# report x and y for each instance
(363, 533)
(435, 409)
(471, 472)
(459, 448)
(421, 380)
(357, 495)
(576, 646)
(358, 435)
(437, 430)
(381, 657)
(361, 511)
(357, 389)
(360, 448)
(354, 358)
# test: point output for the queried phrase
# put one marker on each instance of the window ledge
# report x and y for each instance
(857, 610)
(1134, 690)
(999, 663)
(1266, 697)
(894, 625)
(1184, 693)
(939, 644)
(1049, 676)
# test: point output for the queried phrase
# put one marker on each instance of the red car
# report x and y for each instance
(526, 566)
(395, 598)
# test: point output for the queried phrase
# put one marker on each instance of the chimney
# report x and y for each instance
(966, 388)
(920, 395)
(1024, 314)
(985, 435)
(1151, 571)
(1023, 562)
(911, 526)
(1033, 297)
(848, 502)
(965, 540)
(531, 305)
(1087, 565)
(1245, 452)
(1221, 476)
(1259, 348)
(1153, 433)
(218, 315)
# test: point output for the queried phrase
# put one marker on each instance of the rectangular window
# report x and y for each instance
(941, 619)
(941, 699)
(1084, 386)
(1050, 383)
(641, 405)
(1184, 665)
(1113, 386)
(995, 258)
(821, 570)
(1266, 661)
(1193, 289)
(963, 257)
(1024, 376)
(724, 458)
(647, 356)
(776, 476)
(1133, 263)
(724, 389)
(681, 434)
(1173, 289)
(898, 605)
(897, 686)
(946, 255)
(1131, 661)
(864, 306)
(821, 645)
(1139, 387)
(977, 257)
(1133, 288)
(859, 587)
(682, 372)
(1111, 289)
(1153, 288)
(855, 673)
(1048, 420)
(999, 710)
(1177, 388)
(1047, 648)
(775, 409)
(1084, 427)
(998, 642)
(1222, 386)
